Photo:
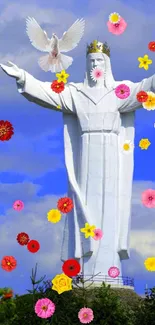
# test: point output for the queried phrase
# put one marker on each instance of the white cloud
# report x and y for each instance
(142, 217)
(15, 11)
(30, 156)
(26, 191)
(143, 242)
(134, 265)
(22, 58)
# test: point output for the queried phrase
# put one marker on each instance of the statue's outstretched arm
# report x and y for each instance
(131, 103)
(39, 92)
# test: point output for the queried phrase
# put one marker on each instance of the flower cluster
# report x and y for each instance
(9, 263)
(91, 231)
(116, 24)
(145, 61)
(64, 205)
(59, 85)
(33, 246)
(45, 308)
(62, 283)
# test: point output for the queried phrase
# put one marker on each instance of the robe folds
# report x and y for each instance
(96, 124)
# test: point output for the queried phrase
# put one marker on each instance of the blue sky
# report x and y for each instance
(32, 162)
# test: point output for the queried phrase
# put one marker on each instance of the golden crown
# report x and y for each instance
(98, 47)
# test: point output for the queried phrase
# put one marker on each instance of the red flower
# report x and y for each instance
(142, 96)
(71, 267)
(23, 238)
(6, 130)
(58, 87)
(65, 204)
(33, 246)
(151, 46)
(8, 263)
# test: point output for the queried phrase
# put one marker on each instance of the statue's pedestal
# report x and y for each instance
(119, 282)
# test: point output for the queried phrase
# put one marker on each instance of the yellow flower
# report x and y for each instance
(114, 18)
(88, 230)
(54, 215)
(144, 62)
(61, 283)
(150, 103)
(127, 146)
(150, 264)
(62, 76)
(58, 106)
(144, 144)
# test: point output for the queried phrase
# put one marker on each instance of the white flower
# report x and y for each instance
(127, 146)
(96, 74)
(114, 18)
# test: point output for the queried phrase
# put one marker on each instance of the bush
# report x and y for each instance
(105, 303)
(147, 309)
(110, 306)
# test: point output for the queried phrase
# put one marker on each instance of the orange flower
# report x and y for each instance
(57, 87)
(8, 295)
(6, 130)
(8, 263)
(142, 96)
(65, 204)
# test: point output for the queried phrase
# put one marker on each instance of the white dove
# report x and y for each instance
(54, 61)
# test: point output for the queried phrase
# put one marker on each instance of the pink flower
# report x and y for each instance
(117, 28)
(44, 308)
(148, 198)
(85, 315)
(18, 205)
(113, 272)
(96, 74)
(98, 234)
(122, 91)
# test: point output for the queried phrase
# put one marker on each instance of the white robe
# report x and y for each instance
(96, 123)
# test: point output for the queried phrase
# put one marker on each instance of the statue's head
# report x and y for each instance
(98, 56)
(95, 60)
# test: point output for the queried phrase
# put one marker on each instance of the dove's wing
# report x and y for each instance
(72, 37)
(37, 35)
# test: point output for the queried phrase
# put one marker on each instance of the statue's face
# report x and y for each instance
(95, 60)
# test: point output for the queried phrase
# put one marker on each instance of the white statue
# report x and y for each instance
(96, 123)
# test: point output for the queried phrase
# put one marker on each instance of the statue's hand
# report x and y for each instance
(12, 70)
